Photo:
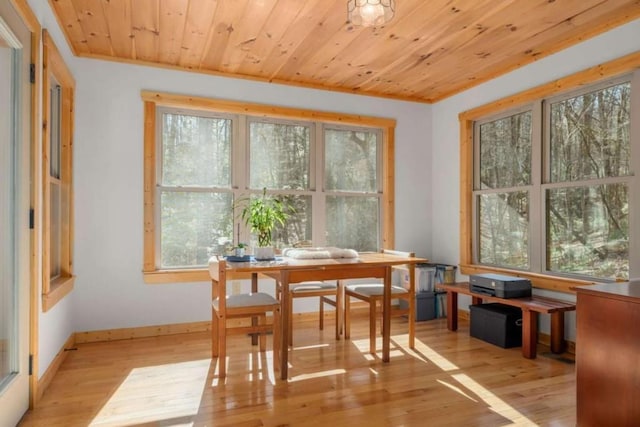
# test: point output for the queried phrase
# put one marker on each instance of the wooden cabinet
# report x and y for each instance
(608, 354)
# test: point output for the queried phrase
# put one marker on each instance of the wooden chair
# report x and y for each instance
(328, 292)
(372, 294)
(227, 308)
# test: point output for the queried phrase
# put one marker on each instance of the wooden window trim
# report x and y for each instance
(589, 76)
(54, 66)
(154, 99)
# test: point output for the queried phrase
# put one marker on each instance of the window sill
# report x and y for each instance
(541, 281)
(173, 276)
(186, 275)
(58, 289)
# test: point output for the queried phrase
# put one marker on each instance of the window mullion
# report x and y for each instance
(536, 197)
(381, 140)
(240, 149)
(240, 173)
(634, 179)
(318, 199)
(475, 205)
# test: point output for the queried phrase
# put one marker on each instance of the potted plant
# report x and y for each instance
(240, 249)
(262, 214)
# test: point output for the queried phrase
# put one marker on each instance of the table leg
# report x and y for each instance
(412, 306)
(452, 311)
(339, 310)
(254, 320)
(529, 333)
(284, 327)
(386, 316)
(557, 332)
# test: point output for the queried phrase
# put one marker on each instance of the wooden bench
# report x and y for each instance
(530, 307)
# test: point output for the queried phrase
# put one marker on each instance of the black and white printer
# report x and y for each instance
(501, 286)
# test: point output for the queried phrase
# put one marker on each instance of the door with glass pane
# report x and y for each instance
(15, 99)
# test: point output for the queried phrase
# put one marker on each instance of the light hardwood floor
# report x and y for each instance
(450, 379)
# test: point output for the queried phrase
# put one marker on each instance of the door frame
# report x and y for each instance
(33, 25)
(16, 37)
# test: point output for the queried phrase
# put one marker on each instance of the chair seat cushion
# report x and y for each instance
(374, 289)
(247, 300)
(312, 286)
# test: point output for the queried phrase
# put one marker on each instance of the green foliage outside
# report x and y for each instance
(586, 219)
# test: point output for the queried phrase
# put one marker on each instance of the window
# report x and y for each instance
(503, 190)
(351, 180)
(549, 195)
(58, 98)
(193, 186)
(280, 158)
(201, 155)
(587, 200)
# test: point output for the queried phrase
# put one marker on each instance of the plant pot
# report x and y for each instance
(263, 253)
(239, 252)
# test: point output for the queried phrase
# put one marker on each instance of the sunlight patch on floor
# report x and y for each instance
(474, 391)
(496, 404)
(457, 390)
(307, 347)
(399, 345)
(216, 372)
(156, 393)
(257, 369)
(261, 365)
(438, 360)
(317, 375)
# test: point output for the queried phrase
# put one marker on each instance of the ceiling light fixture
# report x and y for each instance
(369, 13)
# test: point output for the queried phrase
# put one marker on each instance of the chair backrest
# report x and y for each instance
(218, 274)
(398, 253)
(404, 254)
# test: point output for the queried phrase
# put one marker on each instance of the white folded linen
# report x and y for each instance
(319, 253)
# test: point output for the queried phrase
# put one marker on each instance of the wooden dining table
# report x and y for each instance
(289, 270)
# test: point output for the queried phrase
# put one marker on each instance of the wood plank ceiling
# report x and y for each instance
(432, 49)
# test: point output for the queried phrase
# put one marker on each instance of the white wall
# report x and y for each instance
(446, 135)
